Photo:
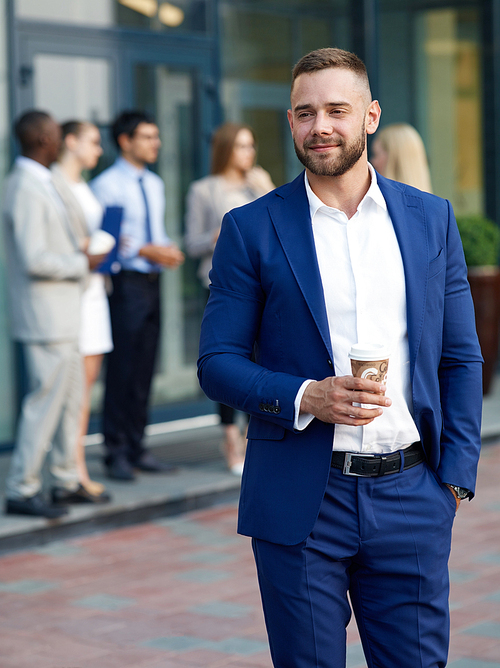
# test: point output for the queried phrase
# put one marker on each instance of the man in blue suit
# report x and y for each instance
(345, 490)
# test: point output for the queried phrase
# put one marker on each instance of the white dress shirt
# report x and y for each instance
(364, 289)
(119, 186)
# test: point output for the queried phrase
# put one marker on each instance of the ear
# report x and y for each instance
(124, 141)
(372, 119)
(289, 115)
(70, 141)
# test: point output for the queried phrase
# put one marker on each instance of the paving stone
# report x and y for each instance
(494, 597)
(176, 643)
(242, 646)
(202, 576)
(488, 629)
(471, 663)
(105, 602)
(222, 609)
(214, 558)
(489, 558)
(355, 656)
(59, 549)
(462, 576)
(27, 587)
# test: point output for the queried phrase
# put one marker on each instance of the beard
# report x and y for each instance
(328, 165)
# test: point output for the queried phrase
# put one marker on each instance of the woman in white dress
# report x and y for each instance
(235, 180)
(81, 151)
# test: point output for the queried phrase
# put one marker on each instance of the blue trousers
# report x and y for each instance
(385, 542)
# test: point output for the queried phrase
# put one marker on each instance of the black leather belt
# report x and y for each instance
(150, 277)
(372, 466)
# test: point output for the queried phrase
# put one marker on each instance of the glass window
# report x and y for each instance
(73, 87)
(256, 46)
(261, 41)
(430, 77)
(83, 12)
(159, 15)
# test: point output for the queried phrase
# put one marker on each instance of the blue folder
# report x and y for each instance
(112, 222)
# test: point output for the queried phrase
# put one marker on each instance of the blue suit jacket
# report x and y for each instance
(266, 304)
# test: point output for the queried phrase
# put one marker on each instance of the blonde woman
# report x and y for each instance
(81, 150)
(398, 153)
(235, 180)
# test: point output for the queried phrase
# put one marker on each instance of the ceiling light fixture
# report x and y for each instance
(170, 15)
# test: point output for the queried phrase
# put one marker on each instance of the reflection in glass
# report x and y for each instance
(452, 73)
(186, 15)
(159, 15)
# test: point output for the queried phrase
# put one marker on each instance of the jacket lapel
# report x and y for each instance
(292, 221)
(408, 218)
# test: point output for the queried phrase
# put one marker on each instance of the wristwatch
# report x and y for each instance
(461, 492)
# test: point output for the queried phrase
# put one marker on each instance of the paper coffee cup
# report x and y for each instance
(370, 361)
(101, 242)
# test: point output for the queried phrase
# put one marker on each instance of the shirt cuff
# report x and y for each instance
(302, 420)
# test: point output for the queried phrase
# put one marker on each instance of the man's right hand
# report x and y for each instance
(332, 400)
(166, 256)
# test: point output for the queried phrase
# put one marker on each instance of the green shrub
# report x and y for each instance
(480, 239)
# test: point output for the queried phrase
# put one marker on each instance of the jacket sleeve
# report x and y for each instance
(200, 233)
(30, 223)
(460, 372)
(229, 331)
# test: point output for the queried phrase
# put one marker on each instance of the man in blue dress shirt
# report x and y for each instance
(144, 250)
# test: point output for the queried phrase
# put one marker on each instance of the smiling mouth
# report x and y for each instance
(322, 147)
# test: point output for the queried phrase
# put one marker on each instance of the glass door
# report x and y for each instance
(169, 93)
(92, 74)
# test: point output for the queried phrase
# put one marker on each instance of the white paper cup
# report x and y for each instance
(101, 242)
(370, 361)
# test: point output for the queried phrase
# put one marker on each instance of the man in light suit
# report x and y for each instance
(46, 270)
(347, 489)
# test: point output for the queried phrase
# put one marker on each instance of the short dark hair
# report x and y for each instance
(330, 57)
(29, 126)
(127, 122)
(73, 127)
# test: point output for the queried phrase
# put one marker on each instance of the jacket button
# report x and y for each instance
(261, 407)
(330, 364)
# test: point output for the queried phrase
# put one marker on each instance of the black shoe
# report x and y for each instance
(61, 496)
(33, 505)
(119, 468)
(148, 462)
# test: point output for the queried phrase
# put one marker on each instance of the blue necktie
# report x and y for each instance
(148, 234)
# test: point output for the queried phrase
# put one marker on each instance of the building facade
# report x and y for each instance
(194, 63)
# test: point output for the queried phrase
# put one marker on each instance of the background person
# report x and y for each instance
(81, 149)
(398, 153)
(235, 180)
(144, 251)
(340, 498)
(46, 270)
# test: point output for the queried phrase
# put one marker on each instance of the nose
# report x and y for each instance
(323, 125)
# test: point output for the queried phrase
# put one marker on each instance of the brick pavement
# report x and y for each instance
(182, 593)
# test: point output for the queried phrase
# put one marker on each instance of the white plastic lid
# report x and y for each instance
(366, 352)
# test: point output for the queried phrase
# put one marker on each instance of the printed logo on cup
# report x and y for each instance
(370, 361)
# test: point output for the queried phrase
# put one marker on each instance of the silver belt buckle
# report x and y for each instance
(347, 465)
(348, 462)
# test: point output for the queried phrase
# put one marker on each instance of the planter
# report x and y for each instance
(485, 288)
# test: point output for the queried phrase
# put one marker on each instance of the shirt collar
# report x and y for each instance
(130, 169)
(35, 168)
(374, 193)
